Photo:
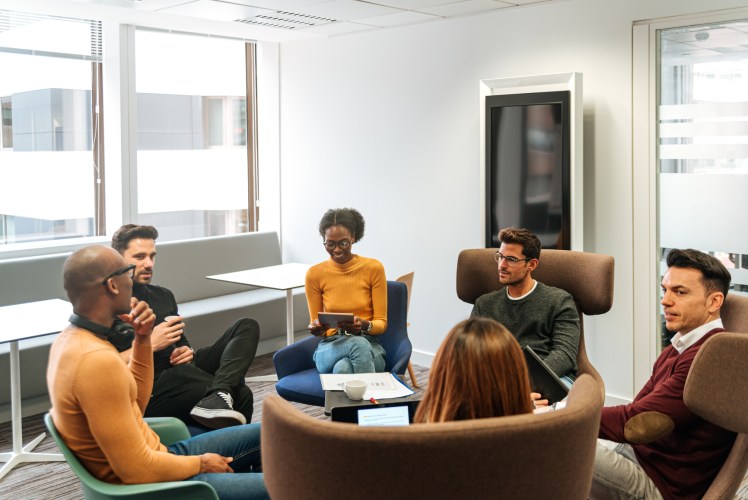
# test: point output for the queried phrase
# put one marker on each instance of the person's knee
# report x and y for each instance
(247, 326)
(357, 346)
(343, 366)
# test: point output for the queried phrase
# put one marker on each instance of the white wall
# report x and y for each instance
(387, 122)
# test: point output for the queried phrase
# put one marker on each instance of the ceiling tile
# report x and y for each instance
(399, 19)
(339, 28)
(346, 10)
(412, 4)
(464, 7)
(288, 5)
(526, 2)
(217, 11)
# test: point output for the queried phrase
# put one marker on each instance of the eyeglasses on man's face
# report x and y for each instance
(342, 244)
(127, 269)
(512, 261)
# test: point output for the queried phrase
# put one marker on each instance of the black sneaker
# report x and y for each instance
(217, 411)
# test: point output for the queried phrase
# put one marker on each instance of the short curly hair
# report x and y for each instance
(121, 238)
(349, 218)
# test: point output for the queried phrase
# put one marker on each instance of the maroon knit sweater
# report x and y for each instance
(685, 462)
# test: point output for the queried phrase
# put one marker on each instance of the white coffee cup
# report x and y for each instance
(355, 389)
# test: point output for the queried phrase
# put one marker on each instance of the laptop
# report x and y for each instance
(395, 413)
(542, 378)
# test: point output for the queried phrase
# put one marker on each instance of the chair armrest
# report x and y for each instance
(295, 357)
(400, 357)
(169, 429)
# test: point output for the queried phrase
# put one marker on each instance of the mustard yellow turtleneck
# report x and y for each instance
(359, 286)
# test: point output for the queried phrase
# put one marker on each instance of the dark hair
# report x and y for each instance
(479, 372)
(530, 243)
(121, 238)
(714, 275)
(349, 218)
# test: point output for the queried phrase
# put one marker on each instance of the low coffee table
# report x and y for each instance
(334, 399)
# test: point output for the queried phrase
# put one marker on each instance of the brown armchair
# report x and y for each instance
(588, 277)
(521, 456)
(714, 391)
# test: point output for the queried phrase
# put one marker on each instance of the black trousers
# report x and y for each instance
(219, 367)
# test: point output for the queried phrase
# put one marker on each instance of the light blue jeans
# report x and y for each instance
(341, 353)
(242, 442)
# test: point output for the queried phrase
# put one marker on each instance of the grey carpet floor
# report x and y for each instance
(55, 480)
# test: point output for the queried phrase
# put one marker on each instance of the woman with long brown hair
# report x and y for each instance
(478, 372)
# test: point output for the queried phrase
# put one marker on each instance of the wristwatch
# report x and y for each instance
(368, 329)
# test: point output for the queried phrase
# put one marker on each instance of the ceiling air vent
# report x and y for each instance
(287, 20)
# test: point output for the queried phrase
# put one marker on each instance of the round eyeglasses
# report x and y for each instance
(342, 244)
(511, 261)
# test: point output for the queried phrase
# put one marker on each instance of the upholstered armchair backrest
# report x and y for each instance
(588, 277)
(521, 456)
(734, 313)
(716, 391)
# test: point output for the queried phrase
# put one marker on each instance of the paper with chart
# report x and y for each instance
(378, 385)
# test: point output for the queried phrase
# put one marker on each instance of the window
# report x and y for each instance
(46, 164)
(703, 142)
(194, 121)
(193, 172)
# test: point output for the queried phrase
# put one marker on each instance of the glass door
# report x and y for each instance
(702, 144)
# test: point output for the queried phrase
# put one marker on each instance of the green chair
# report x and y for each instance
(170, 430)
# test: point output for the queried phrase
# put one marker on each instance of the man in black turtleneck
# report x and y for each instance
(206, 385)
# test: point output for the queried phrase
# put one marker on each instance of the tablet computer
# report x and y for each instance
(542, 378)
(393, 413)
(332, 319)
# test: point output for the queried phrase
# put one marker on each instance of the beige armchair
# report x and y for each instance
(588, 277)
(521, 456)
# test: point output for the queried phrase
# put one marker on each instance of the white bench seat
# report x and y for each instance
(208, 306)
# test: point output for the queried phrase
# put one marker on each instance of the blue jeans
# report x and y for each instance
(242, 443)
(342, 353)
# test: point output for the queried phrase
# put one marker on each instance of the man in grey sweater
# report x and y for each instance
(541, 316)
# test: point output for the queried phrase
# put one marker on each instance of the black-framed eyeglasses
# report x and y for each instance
(128, 269)
(342, 244)
(512, 261)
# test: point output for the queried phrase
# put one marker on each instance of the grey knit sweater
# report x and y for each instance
(546, 320)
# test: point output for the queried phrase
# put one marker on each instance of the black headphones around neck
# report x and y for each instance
(100, 330)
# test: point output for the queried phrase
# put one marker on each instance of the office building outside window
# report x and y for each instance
(194, 138)
(193, 175)
(48, 186)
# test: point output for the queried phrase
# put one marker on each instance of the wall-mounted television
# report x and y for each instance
(528, 182)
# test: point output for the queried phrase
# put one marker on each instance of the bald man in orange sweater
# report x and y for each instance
(98, 400)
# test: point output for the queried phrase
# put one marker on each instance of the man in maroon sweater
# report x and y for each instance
(682, 463)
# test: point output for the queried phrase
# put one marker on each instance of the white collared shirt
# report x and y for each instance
(682, 342)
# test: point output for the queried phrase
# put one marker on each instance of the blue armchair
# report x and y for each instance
(298, 378)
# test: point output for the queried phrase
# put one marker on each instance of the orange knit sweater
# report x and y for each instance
(97, 406)
(359, 286)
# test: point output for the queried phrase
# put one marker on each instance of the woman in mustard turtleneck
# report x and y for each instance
(347, 283)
